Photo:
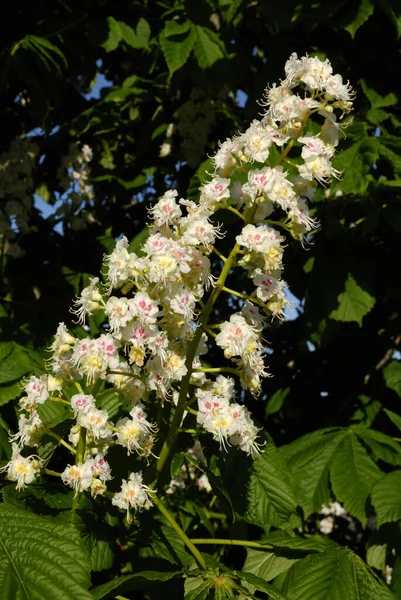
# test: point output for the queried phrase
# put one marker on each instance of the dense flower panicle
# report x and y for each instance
(151, 349)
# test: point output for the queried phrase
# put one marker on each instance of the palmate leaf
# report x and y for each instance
(178, 47)
(270, 494)
(352, 475)
(309, 458)
(366, 8)
(207, 47)
(339, 456)
(131, 582)
(40, 559)
(336, 574)
(353, 304)
(386, 498)
(392, 376)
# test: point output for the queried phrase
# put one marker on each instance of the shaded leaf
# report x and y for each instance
(207, 50)
(270, 495)
(353, 304)
(365, 11)
(392, 376)
(386, 498)
(131, 582)
(41, 559)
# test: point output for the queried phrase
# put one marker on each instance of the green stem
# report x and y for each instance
(209, 331)
(270, 222)
(79, 459)
(60, 401)
(189, 544)
(236, 212)
(125, 374)
(219, 254)
(191, 352)
(60, 440)
(50, 472)
(235, 293)
(217, 370)
(216, 515)
(96, 387)
(221, 542)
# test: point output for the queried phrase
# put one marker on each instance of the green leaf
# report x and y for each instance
(207, 50)
(9, 391)
(383, 446)
(276, 401)
(115, 35)
(197, 589)
(309, 459)
(396, 419)
(176, 463)
(332, 575)
(137, 241)
(16, 361)
(376, 556)
(40, 559)
(216, 483)
(270, 495)
(392, 376)
(172, 28)
(356, 162)
(131, 582)
(129, 36)
(142, 33)
(167, 544)
(352, 475)
(376, 100)
(266, 564)
(176, 50)
(353, 304)
(49, 54)
(365, 11)
(386, 498)
(260, 584)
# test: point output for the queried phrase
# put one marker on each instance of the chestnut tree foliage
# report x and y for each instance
(104, 106)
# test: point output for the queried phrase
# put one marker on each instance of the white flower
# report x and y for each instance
(132, 434)
(88, 302)
(326, 525)
(267, 285)
(339, 90)
(118, 311)
(121, 264)
(183, 302)
(223, 159)
(23, 470)
(63, 341)
(200, 232)
(79, 476)
(139, 415)
(258, 239)
(37, 392)
(314, 145)
(30, 430)
(236, 336)
(134, 494)
(166, 211)
(81, 403)
(216, 190)
(145, 309)
(95, 421)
